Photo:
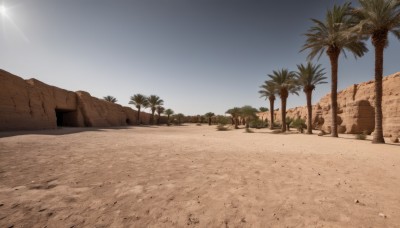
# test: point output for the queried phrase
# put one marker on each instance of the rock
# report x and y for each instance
(322, 133)
(382, 215)
(394, 139)
(356, 201)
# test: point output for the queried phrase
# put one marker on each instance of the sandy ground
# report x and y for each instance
(195, 176)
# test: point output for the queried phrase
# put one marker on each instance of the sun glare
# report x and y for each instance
(3, 10)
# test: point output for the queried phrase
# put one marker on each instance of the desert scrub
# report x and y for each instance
(248, 130)
(257, 123)
(222, 127)
(361, 136)
(299, 124)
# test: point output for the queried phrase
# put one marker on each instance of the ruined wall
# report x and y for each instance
(31, 104)
(355, 108)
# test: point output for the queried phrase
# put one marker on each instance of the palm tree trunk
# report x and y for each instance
(283, 114)
(209, 121)
(168, 120)
(138, 116)
(152, 116)
(247, 123)
(334, 57)
(309, 109)
(236, 123)
(271, 108)
(158, 119)
(378, 132)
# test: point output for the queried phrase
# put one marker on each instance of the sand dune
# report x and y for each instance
(195, 176)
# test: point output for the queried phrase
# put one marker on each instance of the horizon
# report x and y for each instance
(198, 57)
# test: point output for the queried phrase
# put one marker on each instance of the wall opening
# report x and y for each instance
(66, 118)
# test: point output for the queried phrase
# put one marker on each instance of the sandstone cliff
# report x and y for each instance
(356, 108)
(31, 104)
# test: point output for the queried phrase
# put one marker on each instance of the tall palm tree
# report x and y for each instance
(209, 115)
(110, 99)
(376, 19)
(140, 101)
(284, 82)
(268, 91)
(168, 112)
(160, 110)
(308, 77)
(332, 37)
(235, 113)
(154, 101)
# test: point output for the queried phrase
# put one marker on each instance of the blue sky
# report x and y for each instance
(199, 56)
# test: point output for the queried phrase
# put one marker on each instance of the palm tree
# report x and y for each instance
(235, 113)
(160, 110)
(284, 82)
(179, 118)
(168, 112)
(140, 101)
(376, 19)
(209, 115)
(268, 91)
(248, 113)
(332, 36)
(110, 99)
(154, 101)
(308, 77)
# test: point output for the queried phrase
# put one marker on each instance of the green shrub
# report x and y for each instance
(222, 127)
(361, 136)
(258, 124)
(299, 124)
(248, 130)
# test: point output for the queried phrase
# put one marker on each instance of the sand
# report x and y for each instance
(195, 176)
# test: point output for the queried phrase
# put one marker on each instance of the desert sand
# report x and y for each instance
(195, 176)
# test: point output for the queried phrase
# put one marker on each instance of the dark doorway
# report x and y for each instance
(66, 118)
(60, 118)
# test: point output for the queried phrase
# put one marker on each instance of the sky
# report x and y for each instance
(198, 55)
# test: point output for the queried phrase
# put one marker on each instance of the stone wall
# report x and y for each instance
(31, 105)
(355, 108)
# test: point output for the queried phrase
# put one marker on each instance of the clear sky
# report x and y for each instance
(197, 55)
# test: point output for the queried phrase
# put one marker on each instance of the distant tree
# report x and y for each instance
(248, 113)
(140, 101)
(284, 82)
(263, 109)
(179, 118)
(308, 77)
(110, 99)
(160, 110)
(154, 101)
(235, 113)
(168, 112)
(209, 115)
(332, 37)
(376, 19)
(268, 91)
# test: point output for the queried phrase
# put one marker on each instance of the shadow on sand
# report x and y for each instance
(60, 131)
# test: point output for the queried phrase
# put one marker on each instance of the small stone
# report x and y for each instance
(356, 201)
(394, 139)
(382, 215)
(243, 220)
